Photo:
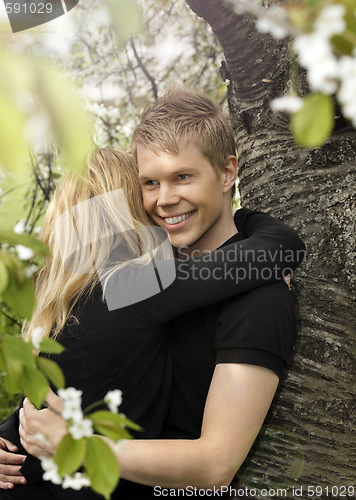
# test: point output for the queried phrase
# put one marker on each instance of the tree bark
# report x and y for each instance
(309, 439)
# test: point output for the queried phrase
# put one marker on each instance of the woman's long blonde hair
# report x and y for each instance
(82, 234)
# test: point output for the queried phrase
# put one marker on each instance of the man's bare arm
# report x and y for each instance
(238, 400)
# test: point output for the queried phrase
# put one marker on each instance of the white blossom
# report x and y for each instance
(20, 227)
(311, 48)
(72, 412)
(331, 20)
(113, 399)
(275, 22)
(347, 68)
(41, 438)
(118, 444)
(30, 270)
(323, 77)
(70, 394)
(36, 337)
(50, 471)
(76, 482)
(349, 111)
(24, 253)
(72, 404)
(347, 91)
(288, 103)
(81, 428)
(315, 54)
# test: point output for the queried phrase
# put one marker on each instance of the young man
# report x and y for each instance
(227, 357)
(187, 168)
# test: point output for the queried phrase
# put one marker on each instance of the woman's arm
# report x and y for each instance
(11, 461)
(270, 251)
(11, 457)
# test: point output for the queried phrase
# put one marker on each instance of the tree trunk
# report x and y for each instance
(309, 439)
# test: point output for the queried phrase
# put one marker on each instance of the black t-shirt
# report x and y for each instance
(257, 327)
(129, 348)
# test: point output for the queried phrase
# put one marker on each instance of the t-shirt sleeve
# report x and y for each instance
(258, 328)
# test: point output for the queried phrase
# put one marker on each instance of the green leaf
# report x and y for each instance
(20, 75)
(14, 373)
(127, 19)
(51, 346)
(13, 370)
(346, 41)
(4, 276)
(2, 360)
(342, 45)
(26, 240)
(34, 386)
(130, 424)
(313, 123)
(102, 466)
(313, 3)
(17, 355)
(20, 296)
(13, 198)
(110, 424)
(16, 348)
(70, 454)
(52, 370)
(15, 266)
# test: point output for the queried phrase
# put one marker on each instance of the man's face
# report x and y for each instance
(184, 195)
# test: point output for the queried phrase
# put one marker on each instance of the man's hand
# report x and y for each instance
(40, 430)
(10, 464)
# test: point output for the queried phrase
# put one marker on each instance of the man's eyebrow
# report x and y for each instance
(183, 170)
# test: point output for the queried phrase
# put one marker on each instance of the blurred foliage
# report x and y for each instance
(44, 130)
(11, 324)
(175, 48)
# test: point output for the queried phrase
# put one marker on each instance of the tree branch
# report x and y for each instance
(145, 70)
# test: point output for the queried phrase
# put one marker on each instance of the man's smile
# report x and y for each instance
(177, 218)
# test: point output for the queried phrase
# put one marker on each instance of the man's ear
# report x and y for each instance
(230, 173)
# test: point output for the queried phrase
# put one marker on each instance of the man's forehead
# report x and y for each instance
(184, 146)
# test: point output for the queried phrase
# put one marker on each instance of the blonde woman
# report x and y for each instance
(108, 265)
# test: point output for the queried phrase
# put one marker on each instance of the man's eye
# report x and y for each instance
(183, 177)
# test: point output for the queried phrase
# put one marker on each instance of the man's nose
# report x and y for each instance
(168, 195)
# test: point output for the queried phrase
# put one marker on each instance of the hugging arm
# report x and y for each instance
(270, 251)
(238, 400)
(237, 403)
(239, 397)
(11, 458)
(254, 336)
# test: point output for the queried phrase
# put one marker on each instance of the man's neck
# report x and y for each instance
(214, 239)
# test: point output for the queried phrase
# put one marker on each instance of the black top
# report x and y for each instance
(129, 348)
(257, 327)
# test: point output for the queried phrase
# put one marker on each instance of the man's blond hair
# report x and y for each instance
(186, 114)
